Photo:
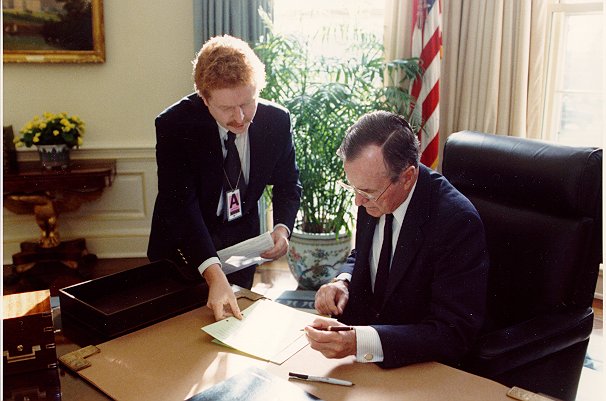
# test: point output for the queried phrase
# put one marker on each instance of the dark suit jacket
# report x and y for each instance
(190, 160)
(435, 299)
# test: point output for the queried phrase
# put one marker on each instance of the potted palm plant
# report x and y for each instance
(326, 95)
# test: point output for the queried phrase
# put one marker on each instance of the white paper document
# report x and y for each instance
(245, 253)
(268, 330)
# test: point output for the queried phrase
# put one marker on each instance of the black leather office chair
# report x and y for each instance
(541, 205)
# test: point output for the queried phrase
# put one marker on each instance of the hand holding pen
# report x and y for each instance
(333, 328)
(328, 324)
(331, 338)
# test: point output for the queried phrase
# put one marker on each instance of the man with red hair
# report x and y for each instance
(217, 150)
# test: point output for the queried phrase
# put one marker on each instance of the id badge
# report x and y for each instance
(234, 204)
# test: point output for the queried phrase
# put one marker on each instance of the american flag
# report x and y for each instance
(427, 45)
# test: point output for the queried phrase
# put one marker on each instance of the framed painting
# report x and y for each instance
(53, 31)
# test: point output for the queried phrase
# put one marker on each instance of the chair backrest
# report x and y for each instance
(541, 205)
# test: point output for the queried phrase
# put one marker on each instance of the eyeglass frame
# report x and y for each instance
(363, 194)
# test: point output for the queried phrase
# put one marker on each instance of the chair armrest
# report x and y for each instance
(514, 346)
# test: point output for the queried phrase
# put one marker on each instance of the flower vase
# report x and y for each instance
(54, 156)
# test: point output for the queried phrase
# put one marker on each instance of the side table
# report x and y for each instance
(47, 193)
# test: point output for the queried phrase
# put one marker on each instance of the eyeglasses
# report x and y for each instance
(363, 194)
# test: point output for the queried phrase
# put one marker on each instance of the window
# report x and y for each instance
(306, 20)
(574, 109)
(574, 101)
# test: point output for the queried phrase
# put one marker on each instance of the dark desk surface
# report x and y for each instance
(82, 175)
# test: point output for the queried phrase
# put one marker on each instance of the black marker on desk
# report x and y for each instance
(320, 379)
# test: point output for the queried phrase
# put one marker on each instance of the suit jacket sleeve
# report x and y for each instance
(283, 173)
(178, 221)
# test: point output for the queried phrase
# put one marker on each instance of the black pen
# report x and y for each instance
(334, 328)
(320, 379)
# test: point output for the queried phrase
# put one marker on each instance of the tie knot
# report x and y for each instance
(231, 138)
(388, 218)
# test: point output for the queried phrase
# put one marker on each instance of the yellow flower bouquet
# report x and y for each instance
(52, 129)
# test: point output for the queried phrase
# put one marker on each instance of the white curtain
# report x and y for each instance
(492, 75)
(397, 34)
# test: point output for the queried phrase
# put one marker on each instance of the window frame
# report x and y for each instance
(554, 55)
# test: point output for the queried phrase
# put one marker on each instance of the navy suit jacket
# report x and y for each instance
(435, 299)
(190, 180)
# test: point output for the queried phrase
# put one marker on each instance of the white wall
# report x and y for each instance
(149, 48)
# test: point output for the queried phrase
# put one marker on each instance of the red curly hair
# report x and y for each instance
(227, 62)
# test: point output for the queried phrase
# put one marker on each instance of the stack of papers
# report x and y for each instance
(254, 384)
(268, 330)
(245, 253)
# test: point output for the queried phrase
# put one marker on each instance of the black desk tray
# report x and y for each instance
(119, 303)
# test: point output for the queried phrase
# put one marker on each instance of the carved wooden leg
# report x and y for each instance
(49, 248)
(46, 217)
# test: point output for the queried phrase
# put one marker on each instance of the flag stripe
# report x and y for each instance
(431, 49)
(426, 44)
(430, 78)
(430, 155)
(430, 104)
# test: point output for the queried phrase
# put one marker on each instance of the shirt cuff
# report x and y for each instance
(208, 262)
(369, 348)
(283, 225)
(344, 276)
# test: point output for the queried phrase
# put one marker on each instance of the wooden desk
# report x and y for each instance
(46, 194)
(174, 360)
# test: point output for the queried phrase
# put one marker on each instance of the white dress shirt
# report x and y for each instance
(369, 347)
(243, 146)
(244, 151)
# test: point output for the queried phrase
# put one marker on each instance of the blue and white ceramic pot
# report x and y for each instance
(314, 259)
(54, 156)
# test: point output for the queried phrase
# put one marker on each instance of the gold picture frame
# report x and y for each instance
(53, 31)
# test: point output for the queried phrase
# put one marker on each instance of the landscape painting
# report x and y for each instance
(53, 31)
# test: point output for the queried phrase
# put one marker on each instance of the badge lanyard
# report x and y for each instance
(233, 200)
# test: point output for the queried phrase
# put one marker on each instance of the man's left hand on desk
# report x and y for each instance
(221, 298)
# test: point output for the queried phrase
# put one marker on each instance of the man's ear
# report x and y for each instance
(204, 100)
(407, 176)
